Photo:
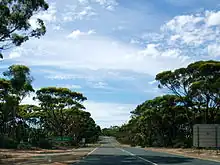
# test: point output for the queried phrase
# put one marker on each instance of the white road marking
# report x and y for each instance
(126, 152)
(137, 156)
(92, 151)
(78, 161)
(147, 160)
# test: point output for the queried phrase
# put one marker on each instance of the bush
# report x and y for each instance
(45, 144)
(9, 143)
(24, 146)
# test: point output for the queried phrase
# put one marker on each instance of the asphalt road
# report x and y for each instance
(110, 154)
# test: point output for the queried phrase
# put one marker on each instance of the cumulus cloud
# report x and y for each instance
(196, 34)
(108, 4)
(83, 55)
(78, 13)
(95, 52)
(77, 33)
(192, 29)
(175, 46)
(214, 50)
(213, 18)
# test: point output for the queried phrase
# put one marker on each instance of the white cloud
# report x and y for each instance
(193, 34)
(153, 51)
(29, 100)
(213, 18)
(100, 85)
(172, 53)
(183, 22)
(174, 37)
(186, 29)
(69, 86)
(83, 2)
(15, 53)
(150, 50)
(57, 27)
(108, 114)
(91, 32)
(133, 41)
(110, 8)
(78, 13)
(94, 52)
(77, 33)
(214, 50)
(107, 3)
(48, 16)
(152, 82)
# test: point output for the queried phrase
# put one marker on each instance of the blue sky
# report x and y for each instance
(111, 50)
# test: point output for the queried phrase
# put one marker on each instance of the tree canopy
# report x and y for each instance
(168, 120)
(60, 113)
(15, 27)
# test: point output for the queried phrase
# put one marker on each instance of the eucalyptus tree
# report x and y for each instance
(15, 27)
(57, 103)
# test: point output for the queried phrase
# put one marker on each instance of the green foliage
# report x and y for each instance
(53, 102)
(24, 146)
(45, 144)
(14, 24)
(60, 113)
(168, 120)
(112, 131)
(7, 142)
(20, 79)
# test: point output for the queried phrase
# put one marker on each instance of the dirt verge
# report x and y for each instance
(41, 157)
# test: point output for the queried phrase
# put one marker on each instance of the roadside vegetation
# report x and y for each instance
(60, 112)
(167, 121)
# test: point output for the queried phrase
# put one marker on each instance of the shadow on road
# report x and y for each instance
(131, 160)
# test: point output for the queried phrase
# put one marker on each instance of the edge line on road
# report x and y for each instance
(78, 161)
(137, 156)
(92, 151)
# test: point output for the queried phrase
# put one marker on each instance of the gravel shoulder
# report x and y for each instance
(212, 155)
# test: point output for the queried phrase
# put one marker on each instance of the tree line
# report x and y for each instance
(60, 113)
(167, 120)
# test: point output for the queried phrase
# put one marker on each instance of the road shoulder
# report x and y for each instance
(210, 155)
(18, 157)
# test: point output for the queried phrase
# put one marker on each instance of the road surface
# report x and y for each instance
(111, 154)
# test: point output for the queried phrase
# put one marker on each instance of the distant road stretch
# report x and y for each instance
(110, 154)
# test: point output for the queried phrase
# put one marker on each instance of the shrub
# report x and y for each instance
(45, 144)
(6, 142)
(24, 146)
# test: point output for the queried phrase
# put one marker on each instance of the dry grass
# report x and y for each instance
(194, 153)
